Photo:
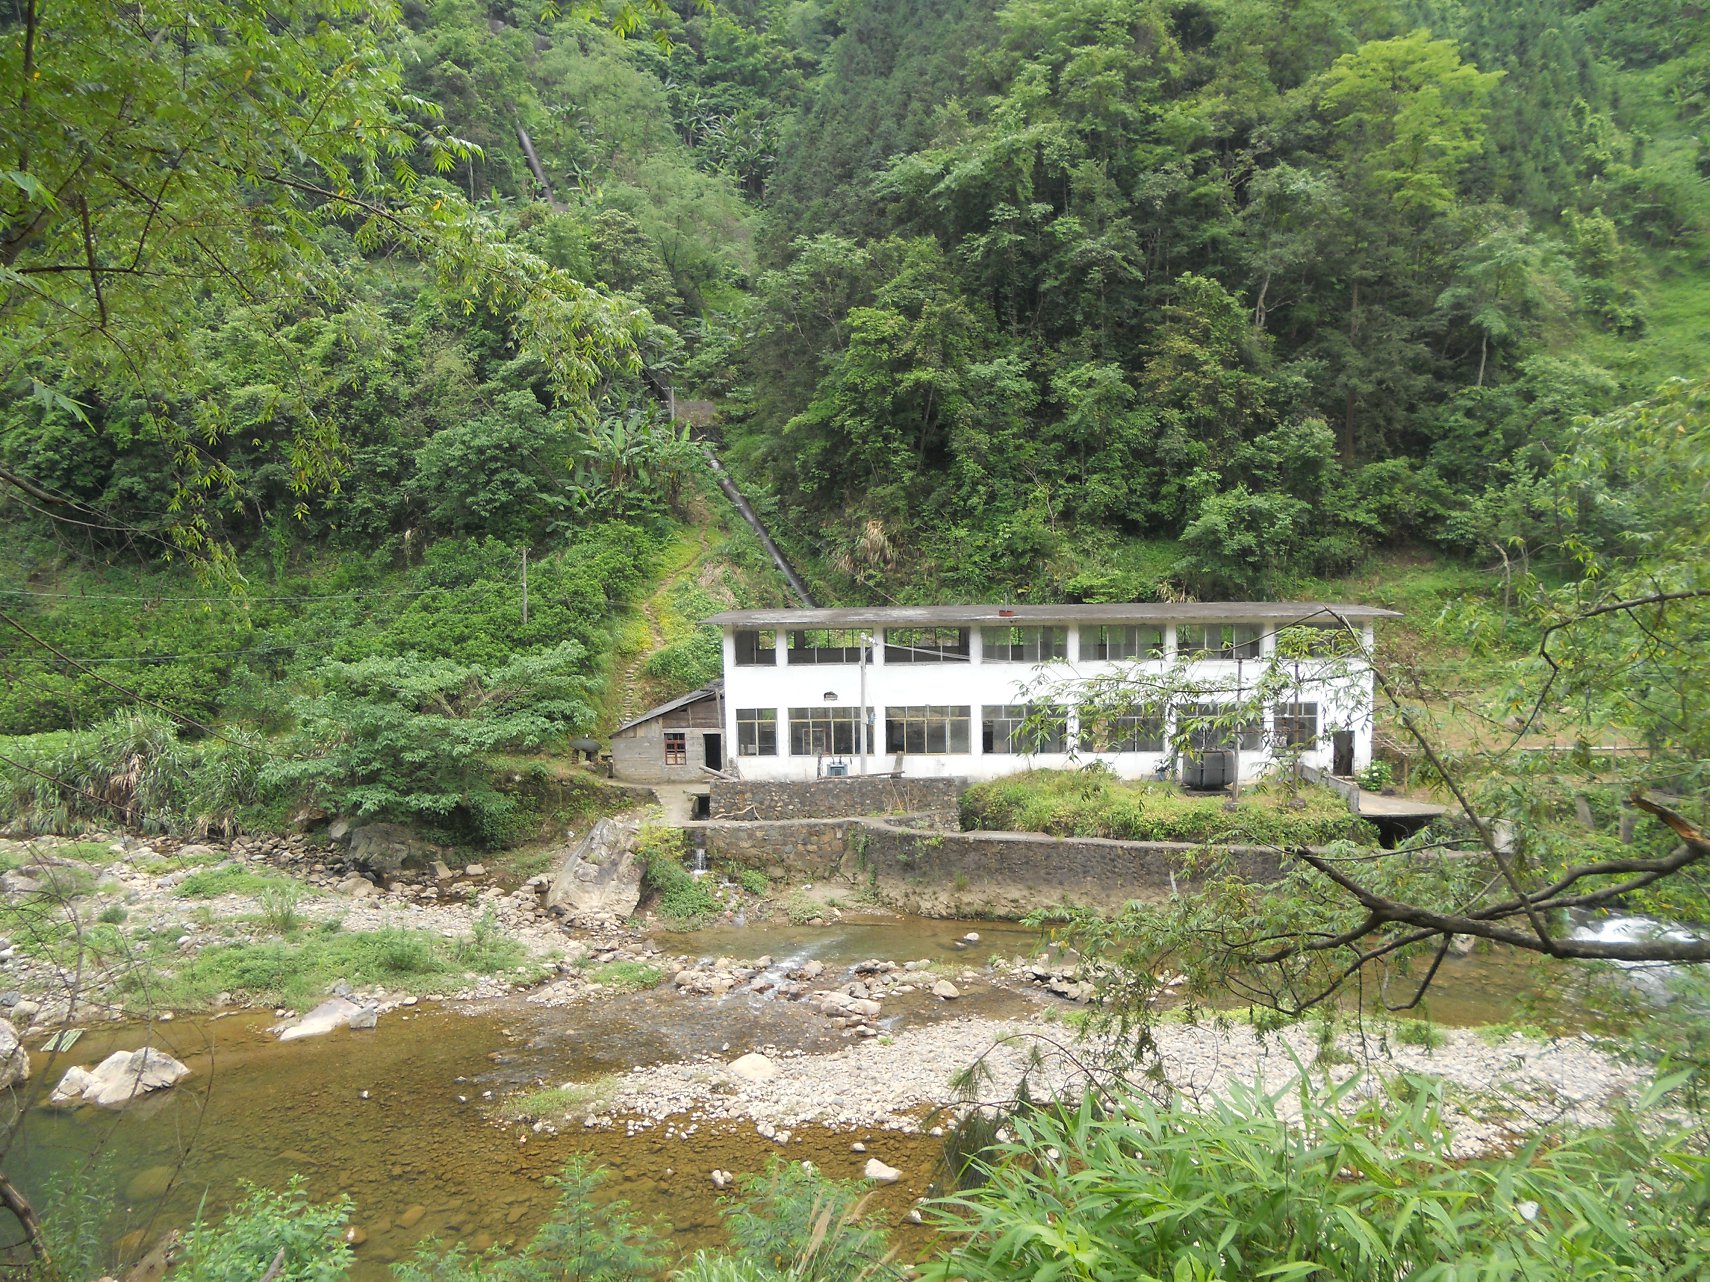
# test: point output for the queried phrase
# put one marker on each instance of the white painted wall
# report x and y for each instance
(1344, 703)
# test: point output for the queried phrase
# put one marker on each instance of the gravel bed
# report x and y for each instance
(1494, 1091)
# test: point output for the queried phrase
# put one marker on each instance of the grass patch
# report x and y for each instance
(628, 976)
(1496, 1034)
(84, 852)
(56, 883)
(207, 883)
(1080, 803)
(573, 1099)
(801, 907)
(298, 973)
(1417, 1032)
(279, 906)
(752, 880)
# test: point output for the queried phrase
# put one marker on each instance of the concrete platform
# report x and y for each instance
(1374, 805)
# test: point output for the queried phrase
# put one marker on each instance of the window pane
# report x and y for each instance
(1139, 730)
(1221, 640)
(824, 645)
(932, 729)
(926, 645)
(756, 647)
(818, 732)
(1123, 641)
(1023, 728)
(676, 747)
(1316, 640)
(756, 732)
(1203, 736)
(1296, 724)
(1024, 644)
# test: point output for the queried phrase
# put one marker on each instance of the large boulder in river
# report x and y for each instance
(14, 1059)
(120, 1078)
(385, 848)
(601, 876)
(335, 1012)
(753, 1067)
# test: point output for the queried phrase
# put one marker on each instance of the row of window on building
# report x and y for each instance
(758, 647)
(1014, 729)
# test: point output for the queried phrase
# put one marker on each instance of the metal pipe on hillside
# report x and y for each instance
(748, 514)
(666, 395)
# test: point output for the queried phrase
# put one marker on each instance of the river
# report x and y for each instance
(395, 1117)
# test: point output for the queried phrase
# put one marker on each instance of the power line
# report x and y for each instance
(125, 690)
(234, 599)
(205, 654)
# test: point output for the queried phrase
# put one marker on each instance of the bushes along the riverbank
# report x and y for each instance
(1095, 803)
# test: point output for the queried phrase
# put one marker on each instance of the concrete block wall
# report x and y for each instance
(761, 799)
(962, 874)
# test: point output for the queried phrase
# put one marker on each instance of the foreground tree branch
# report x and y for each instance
(25, 1214)
(1492, 922)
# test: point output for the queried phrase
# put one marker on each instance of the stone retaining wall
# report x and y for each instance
(962, 874)
(790, 850)
(761, 799)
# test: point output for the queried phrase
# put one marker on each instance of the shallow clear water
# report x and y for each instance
(414, 1160)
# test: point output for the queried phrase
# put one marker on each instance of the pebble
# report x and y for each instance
(879, 1173)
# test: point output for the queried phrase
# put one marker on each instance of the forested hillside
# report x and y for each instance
(1069, 299)
(1287, 281)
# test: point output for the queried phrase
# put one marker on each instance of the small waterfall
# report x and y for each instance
(699, 868)
(1654, 979)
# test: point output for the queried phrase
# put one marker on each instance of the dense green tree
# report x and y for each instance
(221, 144)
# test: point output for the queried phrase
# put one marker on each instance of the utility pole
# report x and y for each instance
(861, 727)
(525, 588)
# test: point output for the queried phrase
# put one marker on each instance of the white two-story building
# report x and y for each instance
(986, 690)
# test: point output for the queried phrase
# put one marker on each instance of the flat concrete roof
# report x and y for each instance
(1285, 612)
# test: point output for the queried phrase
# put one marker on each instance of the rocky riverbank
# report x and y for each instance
(1495, 1090)
(89, 919)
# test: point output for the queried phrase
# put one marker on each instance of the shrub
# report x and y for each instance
(134, 770)
(279, 906)
(265, 1225)
(1418, 1032)
(686, 665)
(1376, 777)
(804, 1225)
(680, 898)
(1090, 803)
(412, 739)
(1229, 1188)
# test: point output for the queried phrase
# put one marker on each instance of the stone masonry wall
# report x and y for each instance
(961, 874)
(837, 798)
(791, 850)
